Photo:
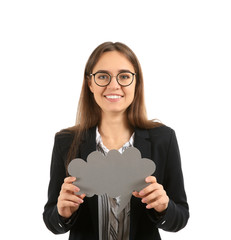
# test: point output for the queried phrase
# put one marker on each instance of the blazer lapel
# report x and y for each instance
(89, 145)
(141, 142)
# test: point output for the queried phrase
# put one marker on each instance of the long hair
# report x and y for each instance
(89, 113)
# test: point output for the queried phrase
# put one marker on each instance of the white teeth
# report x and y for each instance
(113, 96)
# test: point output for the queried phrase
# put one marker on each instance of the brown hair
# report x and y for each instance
(89, 113)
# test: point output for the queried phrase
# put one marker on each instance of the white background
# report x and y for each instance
(185, 51)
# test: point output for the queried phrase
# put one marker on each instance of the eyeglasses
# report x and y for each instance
(103, 79)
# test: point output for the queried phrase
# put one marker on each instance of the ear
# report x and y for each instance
(90, 85)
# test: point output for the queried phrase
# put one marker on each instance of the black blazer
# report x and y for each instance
(158, 144)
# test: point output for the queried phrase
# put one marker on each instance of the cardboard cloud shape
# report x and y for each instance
(115, 174)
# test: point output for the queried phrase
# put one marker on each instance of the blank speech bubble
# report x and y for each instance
(115, 174)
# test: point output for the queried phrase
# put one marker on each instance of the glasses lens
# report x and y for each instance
(102, 79)
(125, 78)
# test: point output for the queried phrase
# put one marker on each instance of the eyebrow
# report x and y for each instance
(120, 71)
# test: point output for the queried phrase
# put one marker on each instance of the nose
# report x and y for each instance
(114, 84)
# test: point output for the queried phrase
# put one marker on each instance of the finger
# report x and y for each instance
(70, 187)
(152, 196)
(150, 179)
(69, 179)
(71, 197)
(136, 194)
(161, 203)
(66, 203)
(82, 196)
(150, 188)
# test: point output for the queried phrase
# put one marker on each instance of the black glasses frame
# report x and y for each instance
(133, 74)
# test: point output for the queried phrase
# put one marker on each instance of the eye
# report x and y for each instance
(102, 76)
(125, 76)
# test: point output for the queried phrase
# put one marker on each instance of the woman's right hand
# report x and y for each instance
(68, 201)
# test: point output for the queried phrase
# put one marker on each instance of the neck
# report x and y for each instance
(114, 130)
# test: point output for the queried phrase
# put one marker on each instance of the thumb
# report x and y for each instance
(136, 194)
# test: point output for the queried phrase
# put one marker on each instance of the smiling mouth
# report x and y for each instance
(113, 96)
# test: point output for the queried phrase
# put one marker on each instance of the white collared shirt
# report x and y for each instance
(107, 206)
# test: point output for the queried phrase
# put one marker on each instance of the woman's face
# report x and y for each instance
(113, 98)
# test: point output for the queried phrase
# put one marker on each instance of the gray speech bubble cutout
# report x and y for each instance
(115, 174)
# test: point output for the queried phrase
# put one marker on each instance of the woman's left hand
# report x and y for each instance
(153, 195)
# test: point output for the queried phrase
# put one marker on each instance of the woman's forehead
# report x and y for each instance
(113, 61)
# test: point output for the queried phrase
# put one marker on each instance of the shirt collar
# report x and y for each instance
(100, 142)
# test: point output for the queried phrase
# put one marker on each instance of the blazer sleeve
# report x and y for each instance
(177, 214)
(51, 217)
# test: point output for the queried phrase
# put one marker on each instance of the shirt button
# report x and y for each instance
(163, 222)
(60, 225)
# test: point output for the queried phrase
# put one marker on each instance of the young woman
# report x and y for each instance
(111, 115)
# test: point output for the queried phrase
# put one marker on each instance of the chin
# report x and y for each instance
(114, 111)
